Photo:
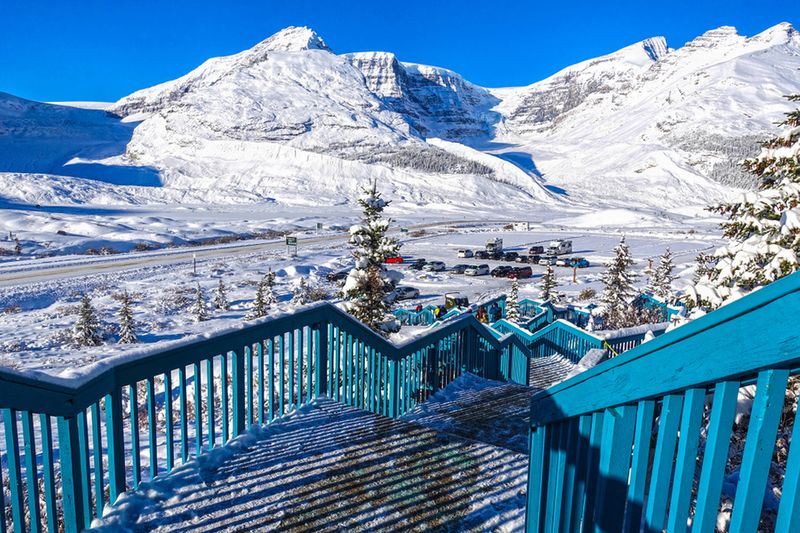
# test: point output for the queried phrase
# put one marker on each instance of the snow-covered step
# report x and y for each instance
(545, 372)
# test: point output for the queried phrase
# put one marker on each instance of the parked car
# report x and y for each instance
(520, 273)
(338, 276)
(501, 271)
(481, 254)
(477, 270)
(393, 260)
(536, 250)
(510, 256)
(406, 293)
(465, 253)
(434, 266)
(534, 259)
(459, 269)
(564, 262)
(497, 256)
(522, 259)
(580, 262)
(418, 264)
(548, 260)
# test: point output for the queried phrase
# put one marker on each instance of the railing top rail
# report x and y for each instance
(698, 354)
(62, 397)
(614, 334)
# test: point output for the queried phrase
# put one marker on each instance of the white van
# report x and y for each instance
(559, 247)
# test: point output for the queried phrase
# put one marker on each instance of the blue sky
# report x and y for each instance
(103, 50)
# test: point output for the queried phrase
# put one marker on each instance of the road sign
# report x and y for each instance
(291, 245)
(291, 241)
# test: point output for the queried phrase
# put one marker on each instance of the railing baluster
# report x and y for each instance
(135, 452)
(170, 448)
(260, 363)
(14, 469)
(789, 511)
(641, 456)
(248, 387)
(72, 488)
(758, 448)
(48, 476)
(694, 400)
(152, 440)
(115, 445)
(83, 441)
(310, 348)
(223, 376)
(281, 365)
(198, 409)
(300, 367)
(182, 408)
(615, 460)
(663, 460)
(537, 495)
(238, 377)
(211, 424)
(271, 361)
(31, 475)
(709, 489)
(290, 369)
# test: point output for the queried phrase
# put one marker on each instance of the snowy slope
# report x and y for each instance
(291, 122)
(661, 129)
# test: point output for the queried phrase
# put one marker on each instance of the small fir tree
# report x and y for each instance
(86, 332)
(300, 294)
(763, 226)
(221, 297)
(17, 247)
(127, 326)
(618, 288)
(652, 277)
(369, 283)
(265, 297)
(198, 309)
(664, 278)
(549, 285)
(512, 303)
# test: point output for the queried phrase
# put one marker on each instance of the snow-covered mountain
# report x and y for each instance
(291, 121)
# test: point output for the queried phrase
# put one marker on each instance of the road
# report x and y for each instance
(31, 271)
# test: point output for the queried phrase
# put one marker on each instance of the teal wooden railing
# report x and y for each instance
(423, 317)
(622, 340)
(80, 447)
(559, 337)
(615, 448)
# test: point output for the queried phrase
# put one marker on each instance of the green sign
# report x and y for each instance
(291, 241)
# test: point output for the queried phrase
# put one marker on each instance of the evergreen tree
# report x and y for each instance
(198, 309)
(664, 278)
(369, 283)
(618, 288)
(17, 247)
(86, 328)
(127, 326)
(220, 297)
(763, 227)
(512, 303)
(651, 275)
(265, 297)
(549, 285)
(300, 294)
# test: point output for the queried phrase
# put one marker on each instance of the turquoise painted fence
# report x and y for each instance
(627, 339)
(427, 317)
(75, 449)
(559, 337)
(614, 448)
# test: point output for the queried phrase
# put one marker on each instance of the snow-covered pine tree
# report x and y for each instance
(618, 288)
(763, 226)
(17, 247)
(265, 297)
(651, 274)
(86, 331)
(369, 283)
(300, 294)
(221, 297)
(198, 310)
(127, 326)
(664, 278)
(512, 303)
(549, 285)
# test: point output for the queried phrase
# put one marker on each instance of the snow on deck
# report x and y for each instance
(333, 467)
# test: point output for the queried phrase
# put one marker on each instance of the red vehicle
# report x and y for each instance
(394, 260)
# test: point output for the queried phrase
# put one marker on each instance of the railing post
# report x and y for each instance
(433, 367)
(394, 404)
(321, 352)
(115, 445)
(72, 488)
(238, 392)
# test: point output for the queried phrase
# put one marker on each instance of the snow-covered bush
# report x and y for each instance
(198, 310)
(369, 282)
(549, 285)
(265, 297)
(300, 293)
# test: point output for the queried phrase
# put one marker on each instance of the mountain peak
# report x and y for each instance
(294, 39)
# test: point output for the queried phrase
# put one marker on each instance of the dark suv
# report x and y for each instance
(481, 254)
(520, 273)
(510, 256)
(501, 271)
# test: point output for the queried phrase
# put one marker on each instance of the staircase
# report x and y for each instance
(547, 371)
